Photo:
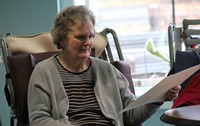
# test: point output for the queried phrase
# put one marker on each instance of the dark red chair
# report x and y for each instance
(21, 53)
(21, 67)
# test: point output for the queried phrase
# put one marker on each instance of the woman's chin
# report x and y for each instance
(84, 56)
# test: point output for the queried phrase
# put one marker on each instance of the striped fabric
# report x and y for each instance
(83, 106)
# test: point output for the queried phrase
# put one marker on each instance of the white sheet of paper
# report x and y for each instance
(157, 93)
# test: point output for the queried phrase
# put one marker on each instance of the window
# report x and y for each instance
(138, 23)
(186, 9)
(135, 23)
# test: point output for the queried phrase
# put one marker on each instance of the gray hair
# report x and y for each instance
(67, 18)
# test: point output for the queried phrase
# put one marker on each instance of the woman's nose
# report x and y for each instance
(89, 40)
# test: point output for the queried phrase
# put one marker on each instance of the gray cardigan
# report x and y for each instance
(48, 103)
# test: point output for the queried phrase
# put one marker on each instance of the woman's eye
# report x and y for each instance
(91, 36)
(84, 38)
(81, 37)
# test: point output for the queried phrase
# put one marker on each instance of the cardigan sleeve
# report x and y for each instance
(136, 115)
(40, 101)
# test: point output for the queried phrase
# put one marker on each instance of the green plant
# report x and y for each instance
(158, 53)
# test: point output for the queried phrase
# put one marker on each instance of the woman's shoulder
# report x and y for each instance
(101, 64)
(100, 61)
(46, 63)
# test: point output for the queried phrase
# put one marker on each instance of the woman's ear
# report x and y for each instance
(62, 43)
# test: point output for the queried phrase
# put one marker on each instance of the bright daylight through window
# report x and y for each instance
(141, 26)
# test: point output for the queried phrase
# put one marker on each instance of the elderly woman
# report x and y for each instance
(74, 89)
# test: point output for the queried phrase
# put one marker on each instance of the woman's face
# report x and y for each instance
(79, 40)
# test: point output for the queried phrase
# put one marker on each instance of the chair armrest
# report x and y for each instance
(124, 68)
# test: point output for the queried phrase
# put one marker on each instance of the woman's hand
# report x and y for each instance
(172, 93)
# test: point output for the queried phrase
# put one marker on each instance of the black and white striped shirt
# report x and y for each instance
(83, 106)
